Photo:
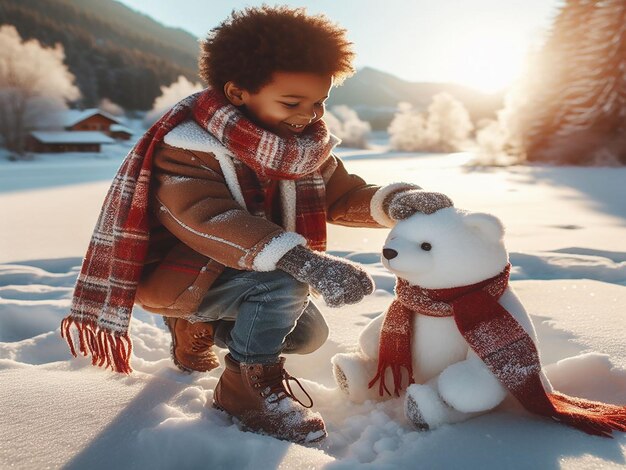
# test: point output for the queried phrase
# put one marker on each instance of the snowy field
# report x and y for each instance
(566, 231)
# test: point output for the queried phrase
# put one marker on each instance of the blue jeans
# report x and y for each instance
(260, 315)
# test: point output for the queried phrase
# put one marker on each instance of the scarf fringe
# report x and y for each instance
(598, 419)
(396, 370)
(105, 348)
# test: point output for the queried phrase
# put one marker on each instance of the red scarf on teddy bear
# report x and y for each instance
(498, 339)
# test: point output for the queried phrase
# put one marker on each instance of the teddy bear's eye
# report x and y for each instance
(426, 246)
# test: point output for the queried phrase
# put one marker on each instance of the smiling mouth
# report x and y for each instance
(296, 126)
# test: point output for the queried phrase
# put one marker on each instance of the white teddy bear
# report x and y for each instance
(457, 338)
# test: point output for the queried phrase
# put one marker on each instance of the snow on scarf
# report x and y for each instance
(105, 289)
(500, 342)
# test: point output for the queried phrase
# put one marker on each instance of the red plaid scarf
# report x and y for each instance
(500, 342)
(262, 198)
(105, 289)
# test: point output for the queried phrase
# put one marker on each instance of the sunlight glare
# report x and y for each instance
(486, 59)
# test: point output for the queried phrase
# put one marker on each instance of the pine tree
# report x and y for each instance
(592, 102)
(582, 119)
(557, 64)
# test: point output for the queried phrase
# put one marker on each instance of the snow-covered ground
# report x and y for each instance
(566, 231)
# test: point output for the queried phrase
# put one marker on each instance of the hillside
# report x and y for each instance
(375, 94)
(179, 40)
(114, 51)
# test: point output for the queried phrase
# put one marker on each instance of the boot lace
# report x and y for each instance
(279, 385)
(201, 341)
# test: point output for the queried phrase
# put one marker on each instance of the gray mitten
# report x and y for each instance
(403, 204)
(339, 281)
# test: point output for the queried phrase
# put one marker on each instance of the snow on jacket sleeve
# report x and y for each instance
(191, 199)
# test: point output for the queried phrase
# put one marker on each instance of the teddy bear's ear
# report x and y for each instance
(489, 225)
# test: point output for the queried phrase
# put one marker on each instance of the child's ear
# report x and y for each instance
(234, 94)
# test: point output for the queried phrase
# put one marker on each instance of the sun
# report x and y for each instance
(487, 60)
(488, 66)
(488, 54)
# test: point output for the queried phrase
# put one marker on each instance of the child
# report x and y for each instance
(217, 220)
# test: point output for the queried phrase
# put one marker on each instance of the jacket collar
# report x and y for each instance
(189, 135)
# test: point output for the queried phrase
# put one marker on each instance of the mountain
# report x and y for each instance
(114, 51)
(375, 95)
(177, 43)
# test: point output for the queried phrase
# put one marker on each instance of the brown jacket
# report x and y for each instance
(199, 225)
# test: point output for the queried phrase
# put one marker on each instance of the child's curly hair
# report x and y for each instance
(251, 44)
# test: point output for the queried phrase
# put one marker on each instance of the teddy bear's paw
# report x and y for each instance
(470, 387)
(414, 415)
(426, 410)
(341, 379)
(352, 374)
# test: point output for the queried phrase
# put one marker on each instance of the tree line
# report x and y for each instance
(108, 60)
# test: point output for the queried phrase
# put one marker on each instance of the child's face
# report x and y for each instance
(286, 105)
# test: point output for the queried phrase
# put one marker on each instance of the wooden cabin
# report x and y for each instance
(119, 132)
(66, 141)
(86, 120)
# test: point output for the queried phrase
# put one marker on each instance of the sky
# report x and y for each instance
(478, 43)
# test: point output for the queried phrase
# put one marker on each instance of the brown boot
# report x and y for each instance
(254, 394)
(192, 344)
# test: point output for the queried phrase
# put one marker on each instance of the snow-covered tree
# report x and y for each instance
(111, 107)
(491, 143)
(449, 124)
(34, 82)
(498, 142)
(407, 130)
(333, 124)
(170, 95)
(345, 123)
(444, 128)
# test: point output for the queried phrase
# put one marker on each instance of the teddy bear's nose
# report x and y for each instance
(388, 253)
